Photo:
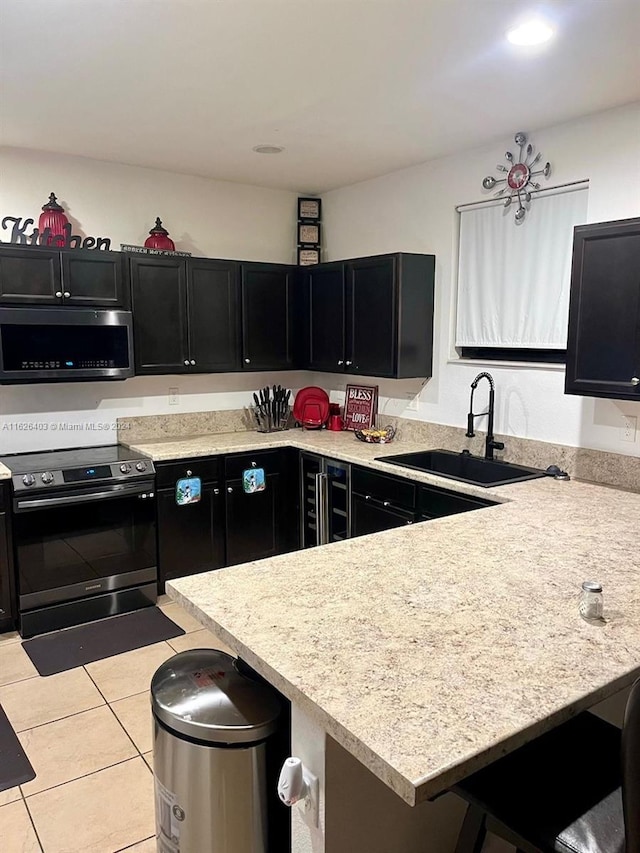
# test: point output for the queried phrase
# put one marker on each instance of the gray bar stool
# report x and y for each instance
(575, 789)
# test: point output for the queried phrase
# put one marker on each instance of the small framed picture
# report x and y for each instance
(308, 233)
(308, 257)
(310, 208)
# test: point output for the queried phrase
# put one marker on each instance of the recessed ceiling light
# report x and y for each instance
(268, 149)
(530, 32)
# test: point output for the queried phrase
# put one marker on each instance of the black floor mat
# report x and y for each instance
(14, 764)
(72, 647)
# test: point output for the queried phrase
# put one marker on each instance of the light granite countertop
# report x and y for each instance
(5, 473)
(428, 651)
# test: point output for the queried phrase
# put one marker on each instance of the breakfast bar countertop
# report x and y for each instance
(430, 650)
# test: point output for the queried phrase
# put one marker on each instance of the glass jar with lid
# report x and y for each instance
(591, 601)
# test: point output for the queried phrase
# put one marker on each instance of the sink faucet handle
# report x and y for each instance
(470, 433)
(497, 445)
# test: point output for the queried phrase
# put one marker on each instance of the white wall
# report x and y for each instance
(205, 217)
(413, 210)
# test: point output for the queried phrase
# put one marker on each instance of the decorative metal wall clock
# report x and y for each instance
(519, 174)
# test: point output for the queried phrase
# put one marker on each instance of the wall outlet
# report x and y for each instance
(412, 403)
(629, 425)
(174, 397)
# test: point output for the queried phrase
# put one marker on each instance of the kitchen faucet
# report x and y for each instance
(490, 444)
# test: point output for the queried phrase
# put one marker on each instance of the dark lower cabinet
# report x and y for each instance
(262, 522)
(380, 502)
(191, 537)
(603, 347)
(7, 591)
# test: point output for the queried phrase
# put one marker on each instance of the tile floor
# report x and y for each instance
(87, 733)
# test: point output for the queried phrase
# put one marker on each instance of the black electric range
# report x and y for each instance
(84, 535)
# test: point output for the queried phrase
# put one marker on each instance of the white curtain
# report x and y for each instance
(513, 279)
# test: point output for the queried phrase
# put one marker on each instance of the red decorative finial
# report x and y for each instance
(159, 238)
(53, 217)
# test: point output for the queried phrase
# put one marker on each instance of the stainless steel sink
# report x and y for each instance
(464, 467)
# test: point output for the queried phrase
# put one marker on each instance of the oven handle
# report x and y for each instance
(143, 490)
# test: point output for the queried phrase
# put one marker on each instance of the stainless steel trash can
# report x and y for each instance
(210, 724)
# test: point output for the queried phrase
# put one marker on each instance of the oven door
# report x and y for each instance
(79, 543)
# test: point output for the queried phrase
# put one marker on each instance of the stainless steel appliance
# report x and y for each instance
(325, 503)
(84, 535)
(64, 344)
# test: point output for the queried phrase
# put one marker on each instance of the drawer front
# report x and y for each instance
(270, 460)
(437, 503)
(207, 468)
(399, 492)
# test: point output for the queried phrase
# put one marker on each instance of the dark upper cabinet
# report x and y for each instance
(32, 276)
(371, 316)
(185, 315)
(325, 303)
(159, 302)
(267, 316)
(603, 346)
(94, 278)
(213, 315)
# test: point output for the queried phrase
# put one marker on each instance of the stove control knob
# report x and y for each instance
(28, 479)
(47, 477)
(125, 467)
(141, 466)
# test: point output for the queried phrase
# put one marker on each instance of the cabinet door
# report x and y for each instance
(190, 537)
(159, 301)
(603, 349)
(371, 316)
(6, 587)
(30, 276)
(94, 278)
(267, 299)
(371, 516)
(253, 521)
(325, 299)
(212, 300)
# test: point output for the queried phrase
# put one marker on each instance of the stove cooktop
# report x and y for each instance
(47, 460)
(114, 462)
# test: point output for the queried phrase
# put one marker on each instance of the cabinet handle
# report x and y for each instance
(66, 294)
(635, 380)
(189, 473)
(247, 361)
(186, 361)
(216, 491)
(253, 464)
(409, 522)
(59, 294)
(386, 503)
(348, 363)
(229, 489)
(193, 361)
(367, 497)
(340, 362)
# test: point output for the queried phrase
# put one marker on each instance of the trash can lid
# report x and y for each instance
(201, 694)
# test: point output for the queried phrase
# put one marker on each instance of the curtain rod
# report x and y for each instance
(485, 201)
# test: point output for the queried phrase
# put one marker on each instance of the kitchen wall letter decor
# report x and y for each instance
(53, 229)
(518, 181)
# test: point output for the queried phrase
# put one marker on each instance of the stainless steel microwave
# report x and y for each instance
(64, 344)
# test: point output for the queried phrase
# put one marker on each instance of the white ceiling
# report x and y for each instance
(351, 88)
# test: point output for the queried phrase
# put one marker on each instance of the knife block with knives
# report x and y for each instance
(272, 409)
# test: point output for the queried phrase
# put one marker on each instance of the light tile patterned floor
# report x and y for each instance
(87, 733)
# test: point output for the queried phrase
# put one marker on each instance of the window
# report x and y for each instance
(513, 279)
